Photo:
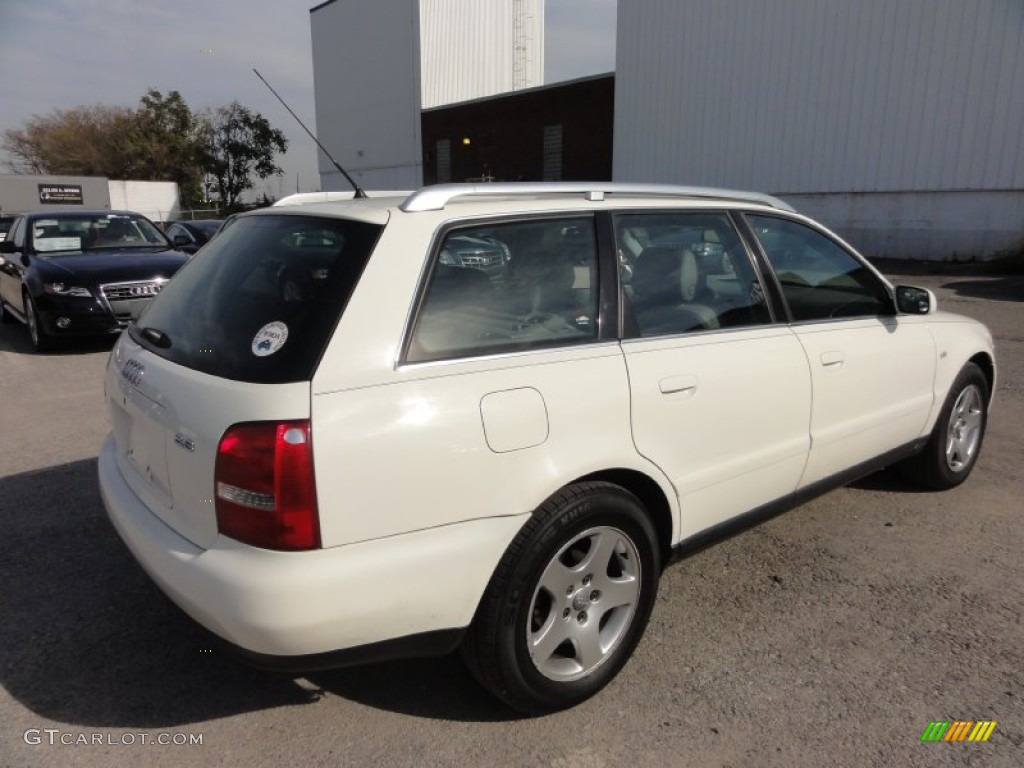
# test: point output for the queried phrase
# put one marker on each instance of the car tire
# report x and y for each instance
(41, 340)
(568, 601)
(953, 448)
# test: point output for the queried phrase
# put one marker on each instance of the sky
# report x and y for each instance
(57, 54)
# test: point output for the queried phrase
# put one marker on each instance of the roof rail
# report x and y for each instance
(301, 198)
(434, 198)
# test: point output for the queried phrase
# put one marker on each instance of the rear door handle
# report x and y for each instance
(676, 385)
(832, 359)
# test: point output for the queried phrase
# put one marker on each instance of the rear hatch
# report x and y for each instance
(235, 337)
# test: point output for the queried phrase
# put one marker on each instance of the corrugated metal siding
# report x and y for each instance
(815, 96)
(474, 48)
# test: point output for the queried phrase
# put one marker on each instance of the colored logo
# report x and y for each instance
(958, 730)
(270, 338)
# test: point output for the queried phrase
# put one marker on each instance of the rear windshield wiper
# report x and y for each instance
(156, 337)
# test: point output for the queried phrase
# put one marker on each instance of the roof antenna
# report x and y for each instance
(358, 190)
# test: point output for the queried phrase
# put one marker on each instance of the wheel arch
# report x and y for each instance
(651, 495)
(988, 367)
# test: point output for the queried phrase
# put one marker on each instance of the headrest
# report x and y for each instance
(670, 274)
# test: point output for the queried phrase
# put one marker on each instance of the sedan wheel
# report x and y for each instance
(569, 601)
(41, 340)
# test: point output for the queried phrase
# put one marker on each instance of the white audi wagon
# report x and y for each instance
(340, 434)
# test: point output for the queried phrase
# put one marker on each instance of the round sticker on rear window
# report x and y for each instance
(270, 338)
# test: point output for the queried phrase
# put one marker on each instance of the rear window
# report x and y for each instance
(260, 302)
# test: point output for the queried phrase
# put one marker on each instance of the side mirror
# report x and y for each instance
(915, 301)
(180, 240)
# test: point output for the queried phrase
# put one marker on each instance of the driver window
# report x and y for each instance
(509, 287)
(820, 280)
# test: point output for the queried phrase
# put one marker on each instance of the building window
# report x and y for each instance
(552, 170)
(444, 161)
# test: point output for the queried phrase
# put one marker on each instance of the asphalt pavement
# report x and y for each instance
(830, 636)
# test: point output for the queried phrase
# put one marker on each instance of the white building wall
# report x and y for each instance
(475, 48)
(809, 98)
(156, 200)
(366, 80)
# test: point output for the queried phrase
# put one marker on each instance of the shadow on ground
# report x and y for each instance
(889, 480)
(89, 640)
(14, 338)
(1003, 288)
(429, 688)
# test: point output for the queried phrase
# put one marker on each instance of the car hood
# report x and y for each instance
(112, 265)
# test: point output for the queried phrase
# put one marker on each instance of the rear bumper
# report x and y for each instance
(275, 605)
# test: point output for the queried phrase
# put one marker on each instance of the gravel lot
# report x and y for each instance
(831, 635)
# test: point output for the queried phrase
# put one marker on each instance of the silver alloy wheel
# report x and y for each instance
(584, 603)
(963, 433)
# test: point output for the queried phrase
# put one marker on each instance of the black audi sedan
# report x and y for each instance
(81, 273)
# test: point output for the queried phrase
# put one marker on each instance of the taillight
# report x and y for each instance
(266, 492)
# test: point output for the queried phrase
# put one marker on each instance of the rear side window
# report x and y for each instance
(685, 272)
(509, 287)
(260, 302)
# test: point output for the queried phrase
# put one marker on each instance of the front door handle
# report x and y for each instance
(832, 359)
(678, 385)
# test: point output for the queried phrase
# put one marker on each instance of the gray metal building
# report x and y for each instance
(900, 123)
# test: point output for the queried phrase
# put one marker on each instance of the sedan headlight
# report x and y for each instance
(66, 290)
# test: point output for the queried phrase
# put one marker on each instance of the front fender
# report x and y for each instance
(958, 340)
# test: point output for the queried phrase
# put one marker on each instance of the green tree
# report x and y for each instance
(239, 144)
(168, 143)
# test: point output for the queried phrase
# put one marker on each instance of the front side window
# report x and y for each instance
(685, 272)
(17, 234)
(509, 287)
(177, 230)
(820, 279)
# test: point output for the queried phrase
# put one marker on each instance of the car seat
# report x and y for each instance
(666, 283)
